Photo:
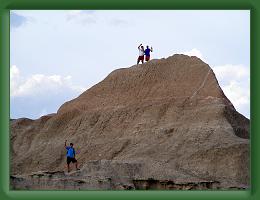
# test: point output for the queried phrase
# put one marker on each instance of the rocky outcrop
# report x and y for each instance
(111, 175)
(164, 124)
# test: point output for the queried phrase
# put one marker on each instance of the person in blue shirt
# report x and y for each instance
(147, 53)
(71, 155)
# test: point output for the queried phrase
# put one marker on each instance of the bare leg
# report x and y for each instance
(76, 165)
(68, 165)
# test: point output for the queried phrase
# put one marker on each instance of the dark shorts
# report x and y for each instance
(147, 58)
(69, 160)
(140, 58)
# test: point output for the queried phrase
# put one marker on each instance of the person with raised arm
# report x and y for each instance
(147, 53)
(71, 154)
(141, 54)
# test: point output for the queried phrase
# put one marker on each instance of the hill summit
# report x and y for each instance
(165, 124)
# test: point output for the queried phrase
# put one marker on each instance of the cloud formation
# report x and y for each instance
(39, 84)
(229, 71)
(39, 94)
(194, 52)
(235, 82)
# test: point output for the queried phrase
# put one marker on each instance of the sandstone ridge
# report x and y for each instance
(165, 124)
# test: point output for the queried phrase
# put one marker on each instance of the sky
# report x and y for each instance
(57, 55)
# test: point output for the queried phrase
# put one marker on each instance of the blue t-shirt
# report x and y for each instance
(147, 52)
(70, 152)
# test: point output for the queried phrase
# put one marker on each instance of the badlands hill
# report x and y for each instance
(165, 124)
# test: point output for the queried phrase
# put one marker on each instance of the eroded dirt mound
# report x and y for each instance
(168, 116)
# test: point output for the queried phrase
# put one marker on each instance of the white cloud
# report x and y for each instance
(82, 16)
(231, 71)
(194, 52)
(238, 93)
(39, 94)
(40, 84)
(14, 72)
(15, 78)
(235, 82)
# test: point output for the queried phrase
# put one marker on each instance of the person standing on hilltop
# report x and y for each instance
(147, 53)
(141, 54)
(71, 156)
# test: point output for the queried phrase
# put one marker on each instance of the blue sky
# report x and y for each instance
(56, 55)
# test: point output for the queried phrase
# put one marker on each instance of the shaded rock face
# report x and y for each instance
(165, 124)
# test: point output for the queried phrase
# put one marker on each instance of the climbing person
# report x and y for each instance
(71, 155)
(147, 53)
(141, 54)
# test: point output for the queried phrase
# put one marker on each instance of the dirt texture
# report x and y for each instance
(165, 124)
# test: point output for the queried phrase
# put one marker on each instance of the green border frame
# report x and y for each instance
(7, 5)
